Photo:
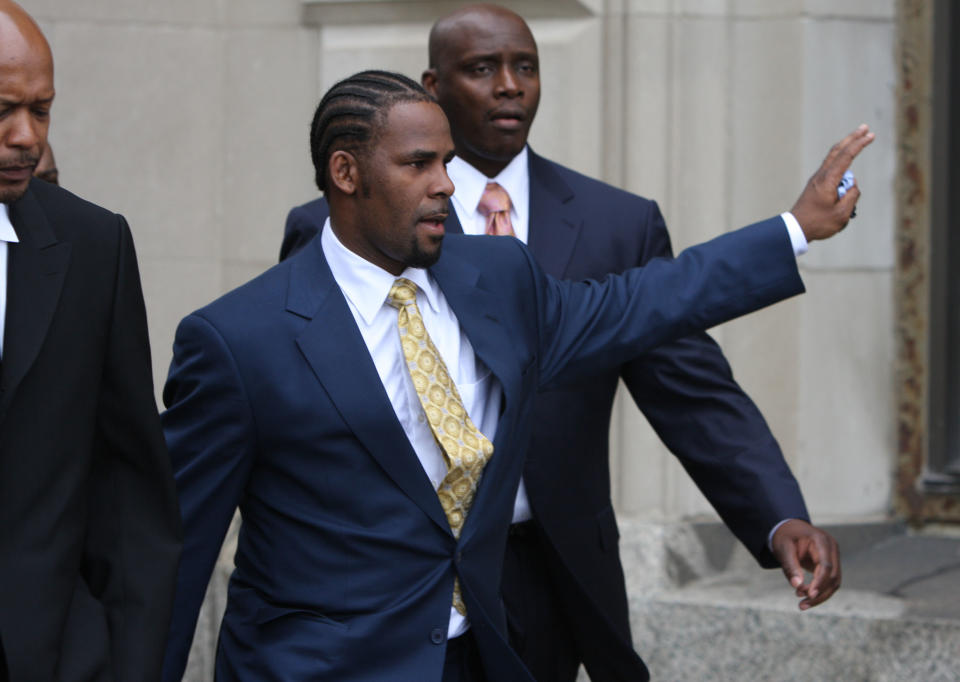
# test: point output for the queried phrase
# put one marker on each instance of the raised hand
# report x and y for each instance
(819, 211)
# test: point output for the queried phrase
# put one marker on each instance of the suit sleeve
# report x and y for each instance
(687, 392)
(210, 434)
(133, 531)
(585, 327)
(301, 227)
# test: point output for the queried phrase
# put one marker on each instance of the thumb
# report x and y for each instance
(790, 564)
(848, 201)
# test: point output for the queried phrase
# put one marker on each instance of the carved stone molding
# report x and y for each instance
(386, 11)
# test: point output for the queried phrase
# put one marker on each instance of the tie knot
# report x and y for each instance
(403, 292)
(494, 199)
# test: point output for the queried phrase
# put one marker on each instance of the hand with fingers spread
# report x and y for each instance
(820, 212)
(798, 546)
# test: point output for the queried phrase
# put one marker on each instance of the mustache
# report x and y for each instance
(440, 211)
(20, 160)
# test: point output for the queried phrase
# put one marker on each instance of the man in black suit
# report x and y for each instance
(89, 525)
(563, 581)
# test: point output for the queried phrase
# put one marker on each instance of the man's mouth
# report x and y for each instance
(508, 119)
(434, 222)
(17, 173)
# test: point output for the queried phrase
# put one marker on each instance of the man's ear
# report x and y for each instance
(429, 81)
(344, 171)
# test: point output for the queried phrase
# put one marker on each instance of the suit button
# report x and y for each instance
(458, 558)
(436, 636)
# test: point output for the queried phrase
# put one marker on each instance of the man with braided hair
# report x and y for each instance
(367, 403)
(563, 583)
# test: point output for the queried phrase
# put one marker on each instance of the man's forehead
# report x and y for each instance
(487, 33)
(415, 120)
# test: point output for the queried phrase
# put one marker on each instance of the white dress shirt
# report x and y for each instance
(7, 234)
(515, 179)
(471, 183)
(366, 286)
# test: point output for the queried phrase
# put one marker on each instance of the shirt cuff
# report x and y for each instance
(776, 527)
(797, 239)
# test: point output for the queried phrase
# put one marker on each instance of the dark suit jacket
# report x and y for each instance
(89, 531)
(345, 562)
(581, 228)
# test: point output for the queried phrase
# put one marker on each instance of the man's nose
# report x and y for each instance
(507, 83)
(25, 131)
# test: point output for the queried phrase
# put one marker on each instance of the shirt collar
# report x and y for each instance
(364, 284)
(470, 182)
(7, 233)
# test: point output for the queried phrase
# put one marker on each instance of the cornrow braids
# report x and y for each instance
(351, 112)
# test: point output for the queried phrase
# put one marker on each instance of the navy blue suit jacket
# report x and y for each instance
(581, 228)
(345, 562)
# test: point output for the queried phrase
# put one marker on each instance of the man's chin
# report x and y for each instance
(9, 194)
(425, 258)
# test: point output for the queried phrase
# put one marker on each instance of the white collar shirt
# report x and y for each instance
(470, 184)
(7, 234)
(366, 286)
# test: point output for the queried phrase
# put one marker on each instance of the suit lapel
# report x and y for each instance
(36, 268)
(477, 311)
(335, 350)
(553, 227)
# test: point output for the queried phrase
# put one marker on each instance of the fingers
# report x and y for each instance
(842, 154)
(823, 555)
(847, 204)
(790, 563)
(798, 546)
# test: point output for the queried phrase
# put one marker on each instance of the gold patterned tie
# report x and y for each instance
(465, 450)
(495, 207)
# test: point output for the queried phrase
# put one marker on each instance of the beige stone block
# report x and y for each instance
(845, 411)
(871, 9)
(345, 50)
(185, 12)
(701, 8)
(138, 124)
(699, 131)
(260, 13)
(766, 118)
(844, 87)
(172, 289)
(236, 273)
(569, 123)
(271, 93)
(648, 115)
(649, 7)
(766, 8)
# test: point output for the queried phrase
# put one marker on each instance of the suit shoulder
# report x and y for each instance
(69, 214)
(585, 186)
(485, 248)
(315, 210)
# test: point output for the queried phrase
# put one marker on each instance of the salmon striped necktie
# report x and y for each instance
(495, 207)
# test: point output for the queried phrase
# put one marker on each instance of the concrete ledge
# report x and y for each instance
(707, 612)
